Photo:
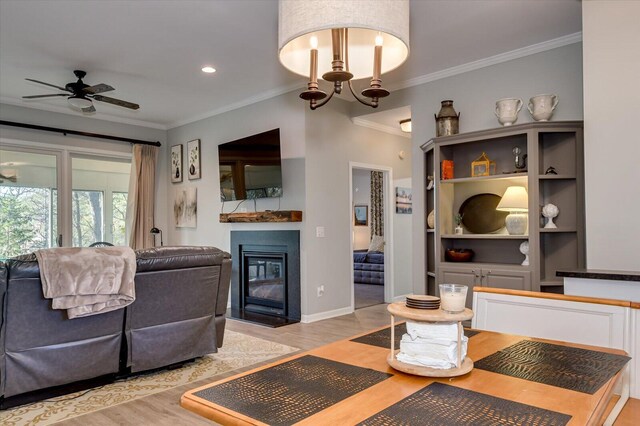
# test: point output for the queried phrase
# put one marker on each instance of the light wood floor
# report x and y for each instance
(163, 409)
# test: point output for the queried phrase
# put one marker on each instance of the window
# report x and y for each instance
(35, 215)
(26, 202)
(119, 214)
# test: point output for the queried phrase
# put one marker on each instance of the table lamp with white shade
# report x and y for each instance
(515, 201)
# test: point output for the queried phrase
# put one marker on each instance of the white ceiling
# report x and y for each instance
(152, 51)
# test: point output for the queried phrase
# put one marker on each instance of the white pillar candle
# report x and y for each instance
(453, 297)
(452, 302)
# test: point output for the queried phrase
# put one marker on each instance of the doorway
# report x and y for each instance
(371, 234)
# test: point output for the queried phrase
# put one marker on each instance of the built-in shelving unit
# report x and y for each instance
(430, 204)
(497, 261)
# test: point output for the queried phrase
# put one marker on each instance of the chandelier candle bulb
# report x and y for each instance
(377, 58)
(313, 73)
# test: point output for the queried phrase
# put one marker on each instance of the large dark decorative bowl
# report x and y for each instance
(458, 255)
(479, 214)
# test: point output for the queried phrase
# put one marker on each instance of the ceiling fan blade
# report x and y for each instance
(48, 84)
(89, 109)
(98, 88)
(45, 96)
(114, 101)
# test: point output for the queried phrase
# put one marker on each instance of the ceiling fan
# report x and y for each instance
(82, 94)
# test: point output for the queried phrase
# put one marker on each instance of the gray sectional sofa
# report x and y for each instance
(178, 315)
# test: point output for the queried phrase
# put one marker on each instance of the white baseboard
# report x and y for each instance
(326, 315)
(401, 298)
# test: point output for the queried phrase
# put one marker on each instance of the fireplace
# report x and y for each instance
(265, 281)
(264, 286)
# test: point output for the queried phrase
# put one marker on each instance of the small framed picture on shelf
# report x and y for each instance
(361, 215)
(176, 163)
(193, 158)
(483, 166)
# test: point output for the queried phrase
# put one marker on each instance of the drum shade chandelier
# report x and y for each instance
(343, 40)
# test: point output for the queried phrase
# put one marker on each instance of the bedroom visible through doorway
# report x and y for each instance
(369, 201)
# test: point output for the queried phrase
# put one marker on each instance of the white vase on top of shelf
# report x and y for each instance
(507, 110)
(550, 211)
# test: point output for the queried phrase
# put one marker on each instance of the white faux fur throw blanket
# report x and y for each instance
(87, 281)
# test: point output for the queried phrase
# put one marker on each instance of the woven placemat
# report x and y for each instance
(576, 369)
(382, 338)
(443, 405)
(291, 391)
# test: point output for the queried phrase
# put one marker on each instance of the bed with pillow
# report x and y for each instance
(368, 265)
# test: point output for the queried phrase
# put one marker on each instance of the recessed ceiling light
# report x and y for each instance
(209, 70)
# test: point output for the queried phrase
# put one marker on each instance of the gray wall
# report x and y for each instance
(282, 112)
(403, 234)
(361, 187)
(316, 147)
(332, 142)
(72, 122)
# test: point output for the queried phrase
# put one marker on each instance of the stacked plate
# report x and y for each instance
(423, 302)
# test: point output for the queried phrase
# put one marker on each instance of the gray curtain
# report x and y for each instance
(140, 201)
(377, 204)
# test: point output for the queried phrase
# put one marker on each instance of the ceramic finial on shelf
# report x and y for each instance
(550, 211)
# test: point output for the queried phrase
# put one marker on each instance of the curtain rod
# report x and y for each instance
(76, 132)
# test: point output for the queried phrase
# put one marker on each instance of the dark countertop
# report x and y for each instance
(600, 274)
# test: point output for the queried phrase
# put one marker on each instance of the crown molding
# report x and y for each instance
(380, 127)
(243, 103)
(68, 111)
(491, 60)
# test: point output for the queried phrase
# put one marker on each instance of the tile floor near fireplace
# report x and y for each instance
(265, 280)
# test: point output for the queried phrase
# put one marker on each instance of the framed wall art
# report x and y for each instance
(185, 207)
(193, 158)
(176, 163)
(361, 215)
(404, 203)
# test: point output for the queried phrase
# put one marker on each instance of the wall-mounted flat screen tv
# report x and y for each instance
(251, 167)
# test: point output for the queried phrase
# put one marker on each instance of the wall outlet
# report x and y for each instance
(320, 231)
(320, 290)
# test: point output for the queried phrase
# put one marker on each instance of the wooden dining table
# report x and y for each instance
(389, 389)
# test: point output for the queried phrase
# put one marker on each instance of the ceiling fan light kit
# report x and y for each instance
(79, 102)
(83, 95)
(343, 41)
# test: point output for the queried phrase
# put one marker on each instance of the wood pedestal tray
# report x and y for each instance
(463, 366)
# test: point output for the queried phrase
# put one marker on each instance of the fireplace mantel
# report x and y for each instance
(266, 216)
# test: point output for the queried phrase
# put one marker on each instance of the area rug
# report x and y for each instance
(239, 351)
